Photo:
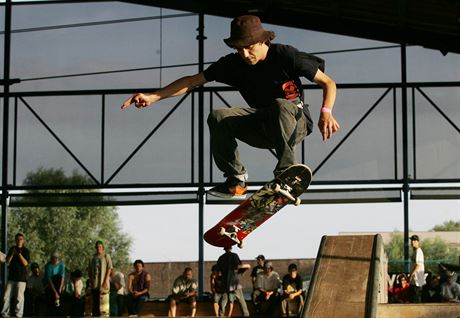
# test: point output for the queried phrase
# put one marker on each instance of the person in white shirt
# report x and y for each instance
(417, 272)
(117, 293)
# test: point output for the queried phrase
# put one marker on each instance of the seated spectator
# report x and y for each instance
(138, 288)
(431, 292)
(73, 294)
(216, 288)
(35, 291)
(54, 284)
(259, 268)
(184, 289)
(450, 289)
(267, 285)
(117, 293)
(401, 289)
(292, 290)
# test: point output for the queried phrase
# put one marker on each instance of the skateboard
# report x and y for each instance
(259, 207)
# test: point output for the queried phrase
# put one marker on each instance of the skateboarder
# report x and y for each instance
(268, 77)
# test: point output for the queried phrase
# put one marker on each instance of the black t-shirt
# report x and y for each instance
(228, 264)
(256, 270)
(17, 272)
(277, 76)
(292, 284)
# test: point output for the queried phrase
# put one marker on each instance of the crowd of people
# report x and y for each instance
(35, 291)
(51, 292)
(421, 287)
(270, 292)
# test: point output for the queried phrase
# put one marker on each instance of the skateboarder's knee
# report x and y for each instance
(216, 116)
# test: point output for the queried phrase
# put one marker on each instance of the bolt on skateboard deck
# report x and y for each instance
(250, 214)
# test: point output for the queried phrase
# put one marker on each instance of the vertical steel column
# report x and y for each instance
(201, 191)
(6, 106)
(406, 186)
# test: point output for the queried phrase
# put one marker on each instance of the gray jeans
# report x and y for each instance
(281, 127)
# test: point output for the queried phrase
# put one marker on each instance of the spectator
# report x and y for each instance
(184, 289)
(99, 269)
(259, 268)
(450, 289)
(18, 258)
(117, 293)
(54, 284)
(216, 288)
(74, 294)
(431, 292)
(401, 289)
(267, 284)
(417, 272)
(292, 290)
(35, 291)
(229, 263)
(138, 288)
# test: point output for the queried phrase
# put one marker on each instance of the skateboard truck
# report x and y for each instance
(285, 190)
(231, 232)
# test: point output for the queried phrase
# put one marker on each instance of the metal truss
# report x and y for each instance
(391, 190)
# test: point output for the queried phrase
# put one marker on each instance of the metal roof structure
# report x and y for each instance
(433, 24)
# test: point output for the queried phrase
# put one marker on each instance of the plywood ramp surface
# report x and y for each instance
(340, 283)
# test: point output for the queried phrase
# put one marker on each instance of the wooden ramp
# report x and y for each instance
(349, 278)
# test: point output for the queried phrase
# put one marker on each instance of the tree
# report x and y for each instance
(450, 226)
(435, 250)
(72, 230)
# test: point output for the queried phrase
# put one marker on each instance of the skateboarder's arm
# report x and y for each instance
(327, 123)
(176, 88)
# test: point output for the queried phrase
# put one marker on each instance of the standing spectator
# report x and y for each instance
(99, 269)
(184, 289)
(417, 272)
(450, 289)
(74, 294)
(117, 293)
(18, 258)
(292, 290)
(216, 288)
(35, 291)
(54, 284)
(267, 284)
(138, 288)
(229, 264)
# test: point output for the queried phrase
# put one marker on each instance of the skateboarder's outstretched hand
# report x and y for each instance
(140, 100)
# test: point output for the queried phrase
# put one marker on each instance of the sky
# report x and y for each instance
(170, 233)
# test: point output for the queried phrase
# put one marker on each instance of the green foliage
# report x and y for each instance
(395, 253)
(451, 226)
(435, 250)
(72, 231)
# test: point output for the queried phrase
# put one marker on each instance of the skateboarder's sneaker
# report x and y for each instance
(231, 188)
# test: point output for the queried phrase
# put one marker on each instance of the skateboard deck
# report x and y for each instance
(259, 207)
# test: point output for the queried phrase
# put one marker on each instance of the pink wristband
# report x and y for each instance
(326, 110)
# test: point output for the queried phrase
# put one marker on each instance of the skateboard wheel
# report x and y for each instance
(222, 231)
(240, 244)
(276, 187)
(297, 202)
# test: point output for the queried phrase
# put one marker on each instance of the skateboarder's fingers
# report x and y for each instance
(128, 102)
